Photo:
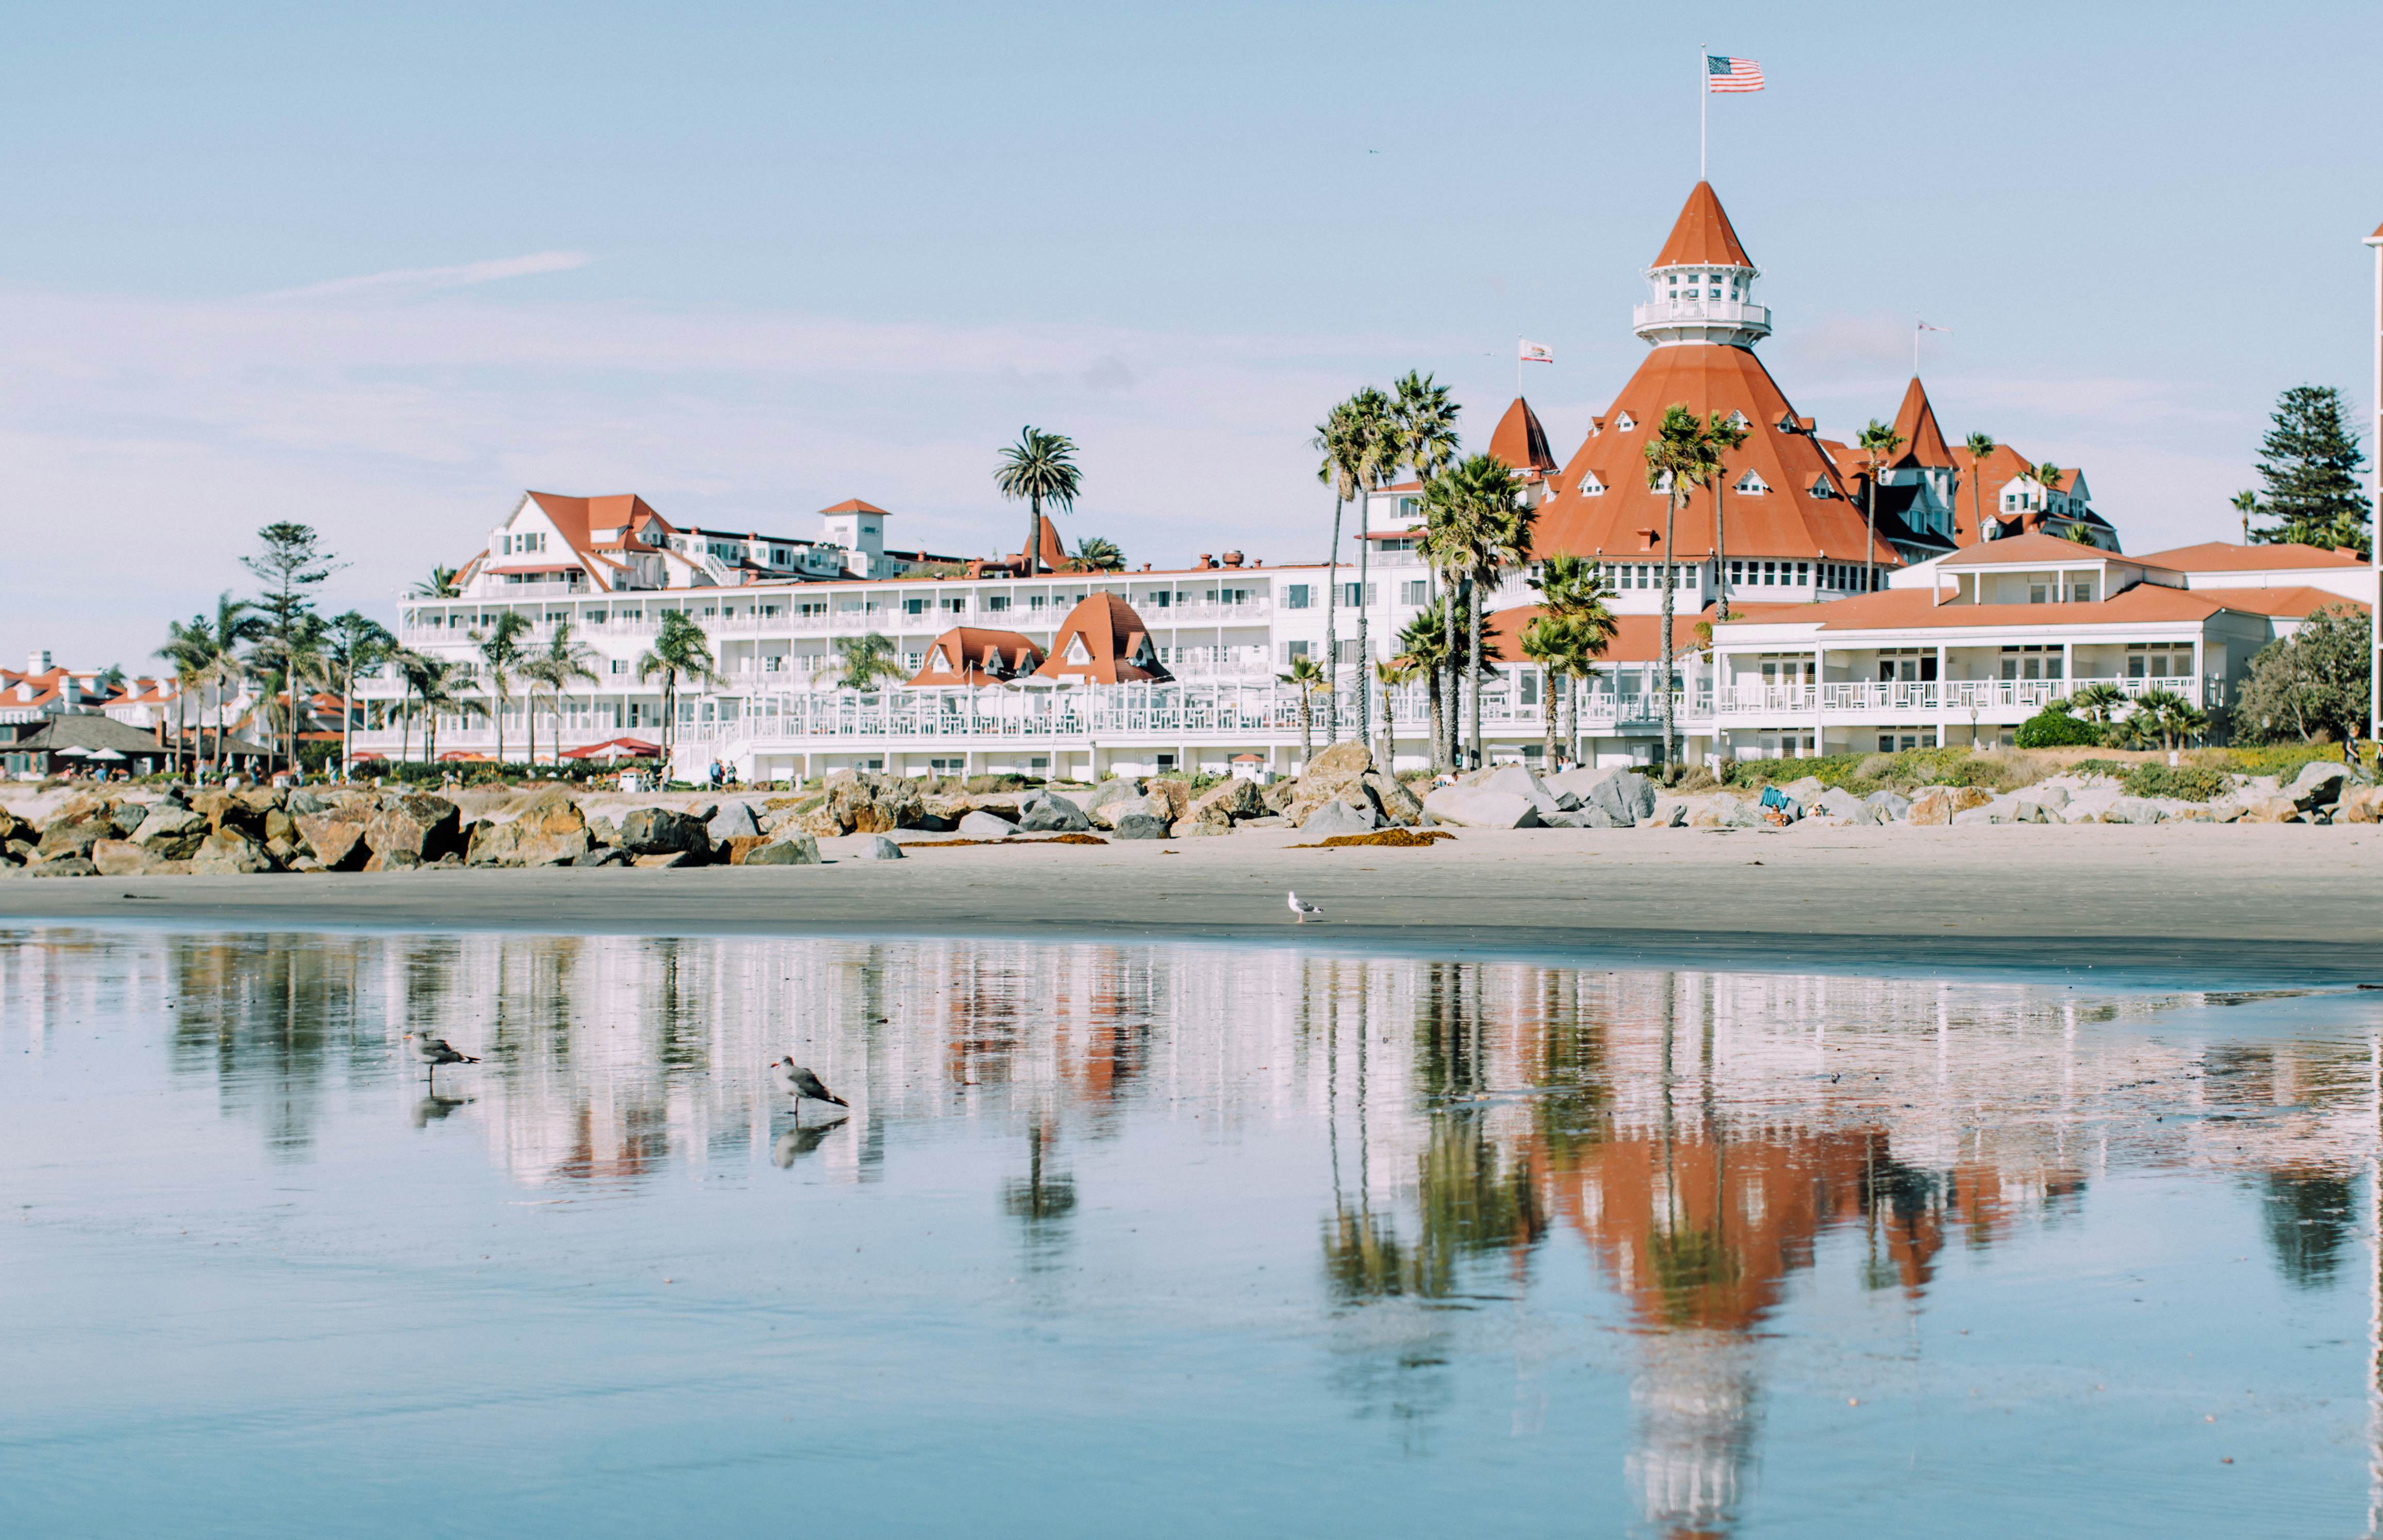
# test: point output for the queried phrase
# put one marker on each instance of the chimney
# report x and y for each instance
(1232, 559)
(38, 661)
(1206, 561)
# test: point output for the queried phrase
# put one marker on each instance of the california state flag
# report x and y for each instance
(1536, 353)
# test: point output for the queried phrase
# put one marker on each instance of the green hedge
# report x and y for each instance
(1864, 773)
(2055, 728)
(2185, 782)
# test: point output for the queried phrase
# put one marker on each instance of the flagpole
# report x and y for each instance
(1704, 89)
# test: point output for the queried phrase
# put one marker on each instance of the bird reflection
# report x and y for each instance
(434, 1108)
(800, 1140)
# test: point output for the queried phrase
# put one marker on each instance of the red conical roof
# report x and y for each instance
(1702, 235)
(1521, 442)
(1915, 424)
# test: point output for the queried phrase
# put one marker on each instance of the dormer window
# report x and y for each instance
(1821, 489)
(1590, 487)
(1752, 483)
(1625, 422)
(1738, 420)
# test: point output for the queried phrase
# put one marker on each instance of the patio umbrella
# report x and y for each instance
(105, 753)
(70, 753)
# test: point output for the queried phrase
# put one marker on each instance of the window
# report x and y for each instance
(620, 666)
(2036, 593)
(1344, 650)
(1752, 483)
(1590, 486)
(1625, 422)
(1803, 574)
(1415, 591)
(1159, 599)
(1294, 651)
(951, 606)
(2081, 593)
(1295, 597)
(1354, 600)
(999, 602)
(1037, 601)
(2032, 662)
(913, 606)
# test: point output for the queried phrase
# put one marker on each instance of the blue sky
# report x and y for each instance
(380, 272)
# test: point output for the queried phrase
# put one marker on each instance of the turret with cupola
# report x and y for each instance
(1700, 288)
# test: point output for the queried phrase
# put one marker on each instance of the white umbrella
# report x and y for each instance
(105, 753)
(71, 753)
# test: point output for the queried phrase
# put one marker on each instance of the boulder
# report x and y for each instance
(74, 836)
(172, 834)
(877, 847)
(1475, 808)
(1805, 791)
(119, 858)
(1139, 826)
(602, 831)
(63, 866)
(1939, 805)
(2271, 809)
(549, 832)
(733, 821)
(1518, 781)
(2134, 809)
(16, 831)
(1279, 794)
(279, 827)
(1626, 796)
(337, 844)
(2362, 804)
(1391, 795)
(986, 826)
(1340, 817)
(863, 802)
(1349, 757)
(420, 825)
(127, 817)
(2320, 785)
(1235, 797)
(230, 851)
(664, 831)
(669, 858)
(1189, 827)
(1887, 806)
(1672, 816)
(1173, 798)
(1108, 795)
(1836, 802)
(1987, 814)
(1051, 814)
(605, 856)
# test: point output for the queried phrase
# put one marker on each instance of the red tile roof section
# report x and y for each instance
(1702, 235)
(2036, 546)
(2224, 556)
(1115, 644)
(1785, 520)
(854, 505)
(1521, 442)
(1915, 424)
(1636, 638)
(967, 655)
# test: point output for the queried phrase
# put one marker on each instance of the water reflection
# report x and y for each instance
(1692, 1143)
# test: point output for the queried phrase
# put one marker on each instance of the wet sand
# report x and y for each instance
(2258, 904)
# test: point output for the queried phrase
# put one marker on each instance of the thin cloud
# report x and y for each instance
(424, 280)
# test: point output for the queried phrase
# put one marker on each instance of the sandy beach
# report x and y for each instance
(2261, 904)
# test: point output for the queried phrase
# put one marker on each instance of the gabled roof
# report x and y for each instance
(2037, 546)
(1521, 442)
(1102, 641)
(82, 730)
(854, 505)
(2224, 556)
(967, 655)
(1702, 235)
(1704, 377)
(578, 518)
(1915, 424)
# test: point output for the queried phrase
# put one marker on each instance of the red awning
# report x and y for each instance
(616, 748)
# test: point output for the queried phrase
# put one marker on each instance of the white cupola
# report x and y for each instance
(1700, 288)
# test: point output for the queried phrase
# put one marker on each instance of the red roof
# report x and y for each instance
(576, 517)
(2224, 556)
(1915, 424)
(854, 505)
(1702, 235)
(967, 654)
(1521, 442)
(2036, 546)
(614, 748)
(1896, 608)
(1102, 641)
(1626, 517)
(1636, 638)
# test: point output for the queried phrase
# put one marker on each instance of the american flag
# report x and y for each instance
(1722, 74)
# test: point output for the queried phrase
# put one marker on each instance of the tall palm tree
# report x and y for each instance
(1039, 468)
(2246, 504)
(501, 652)
(1680, 453)
(564, 662)
(1483, 512)
(1545, 642)
(234, 624)
(1097, 555)
(1877, 441)
(188, 648)
(1575, 590)
(1389, 675)
(865, 659)
(680, 652)
(1426, 644)
(1310, 680)
(1726, 435)
(1354, 438)
(441, 686)
(440, 584)
(355, 643)
(1980, 445)
(2048, 475)
(1421, 436)
(293, 659)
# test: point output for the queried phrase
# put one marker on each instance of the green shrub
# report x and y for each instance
(2185, 782)
(2111, 768)
(2054, 728)
(2283, 760)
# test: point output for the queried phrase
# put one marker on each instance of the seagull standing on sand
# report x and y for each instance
(798, 1082)
(430, 1053)
(1303, 909)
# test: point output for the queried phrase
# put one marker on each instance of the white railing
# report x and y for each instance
(1727, 312)
(1959, 695)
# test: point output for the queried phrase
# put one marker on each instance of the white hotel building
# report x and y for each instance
(1984, 594)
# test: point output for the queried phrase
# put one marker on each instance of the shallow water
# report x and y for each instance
(1165, 1241)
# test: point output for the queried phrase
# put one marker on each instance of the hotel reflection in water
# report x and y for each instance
(1696, 1133)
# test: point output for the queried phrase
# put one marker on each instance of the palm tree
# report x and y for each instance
(189, 649)
(866, 660)
(355, 643)
(1980, 445)
(1428, 645)
(502, 651)
(1476, 521)
(1574, 590)
(234, 623)
(1679, 454)
(1420, 434)
(441, 685)
(1310, 680)
(2078, 533)
(2246, 504)
(2048, 475)
(1726, 434)
(1545, 642)
(1877, 441)
(2096, 701)
(1353, 438)
(562, 664)
(2168, 715)
(1097, 555)
(680, 650)
(440, 584)
(1389, 675)
(1039, 468)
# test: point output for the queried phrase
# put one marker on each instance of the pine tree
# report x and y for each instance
(2310, 460)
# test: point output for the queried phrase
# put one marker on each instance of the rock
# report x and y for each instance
(1518, 781)
(1939, 805)
(1348, 758)
(337, 844)
(396, 860)
(1236, 798)
(1674, 816)
(864, 802)
(664, 831)
(2271, 809)
(63, 866)
(1626, 796)
(1340, 817)
(2134, 809)
(1279, 794)
(230, 851)
(118, 858)
(74, 836)
(986, 826)
(172, 833)
(306, 863)
(1108, 795)
(549, 832)
(733, 821)
(1139, 826)
(424, 827)
(1174, 797)
(602, 831)
(1836, 802)
(127, 817)
(2320, 785)
(1473, 807)
(1052, 814)
(1987, 814)
(1193, 828)
(668, 859)
(1805, 791)
(1391, 795)
(1887, 806)
(279, 827)
(2362, 804)
(605, 856)
(877, 847)
(1270, 820)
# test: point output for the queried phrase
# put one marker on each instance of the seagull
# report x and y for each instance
(1303, 910)
(798, 1082)
(431, 1052)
